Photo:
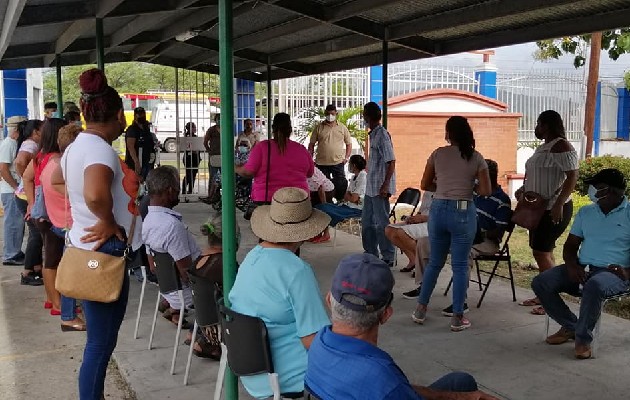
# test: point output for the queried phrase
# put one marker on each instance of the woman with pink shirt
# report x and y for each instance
(277, 163)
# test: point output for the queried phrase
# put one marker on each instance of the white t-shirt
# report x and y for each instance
(357, 186)
(29, 146)
(87, 150)
(8, 151)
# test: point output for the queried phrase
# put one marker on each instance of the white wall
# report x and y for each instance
(445, 103)
(35, 93)
(614, 147)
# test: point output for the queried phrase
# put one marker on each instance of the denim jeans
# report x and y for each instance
(338, 212)
(374, 219)
(103, 322)
(450, 230)
(455, 382)
(337, 175)
(600, 284)
(13, 226)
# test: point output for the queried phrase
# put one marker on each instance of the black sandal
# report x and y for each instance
(408, 268)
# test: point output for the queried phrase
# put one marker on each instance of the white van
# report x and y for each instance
(164, 122)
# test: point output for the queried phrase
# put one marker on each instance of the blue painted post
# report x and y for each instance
(15, 94)
(245, 102)
(623, 114)
(597, 125)
(486, 76)
(376, 84)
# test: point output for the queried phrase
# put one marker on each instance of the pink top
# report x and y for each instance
(290, 169)
(55, 202)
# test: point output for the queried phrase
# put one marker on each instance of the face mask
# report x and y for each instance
(331, 117)
(243, 149)
(592, 193)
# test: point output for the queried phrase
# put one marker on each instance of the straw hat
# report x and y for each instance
(289, 219)
(12, 122)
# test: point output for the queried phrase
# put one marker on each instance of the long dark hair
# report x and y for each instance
(460, 133)
(358, 161)
(26, 129)
(553, 121)
(188, 128)
(50, 133)
(281, 128)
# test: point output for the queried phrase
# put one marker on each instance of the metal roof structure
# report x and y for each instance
(296, 37)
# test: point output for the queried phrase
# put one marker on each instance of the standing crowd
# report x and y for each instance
(73, 190)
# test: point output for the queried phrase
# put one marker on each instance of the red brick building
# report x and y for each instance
(416, 122)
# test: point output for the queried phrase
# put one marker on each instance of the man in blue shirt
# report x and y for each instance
(600, 240)
(381, 185)
(344, 361)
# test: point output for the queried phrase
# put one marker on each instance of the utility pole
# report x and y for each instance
(591, 91)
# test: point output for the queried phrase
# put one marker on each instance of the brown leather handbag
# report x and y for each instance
(529, 210)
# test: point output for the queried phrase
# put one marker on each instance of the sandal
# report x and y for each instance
(73, 328)
(211, 351)
(408, 268)
(538, 311)
(530, 302)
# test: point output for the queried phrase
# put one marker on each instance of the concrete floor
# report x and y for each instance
(503, 349)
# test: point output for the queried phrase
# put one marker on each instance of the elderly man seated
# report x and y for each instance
(600, 240)
(493, 216)
(344, 361)
(164, 232)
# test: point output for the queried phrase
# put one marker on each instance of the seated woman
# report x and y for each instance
(280, 288)
(209, 266)
(322, 188)
(352, 204)
(164, 232)
(405, 234)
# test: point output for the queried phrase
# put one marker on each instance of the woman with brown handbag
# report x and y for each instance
(551, 173)
(102, 195)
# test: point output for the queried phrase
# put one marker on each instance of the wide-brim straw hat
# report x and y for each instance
(289, 219)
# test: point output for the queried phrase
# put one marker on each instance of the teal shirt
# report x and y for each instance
(605, 237)
(280, 288)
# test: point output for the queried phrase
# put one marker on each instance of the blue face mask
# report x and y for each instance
(592, 193)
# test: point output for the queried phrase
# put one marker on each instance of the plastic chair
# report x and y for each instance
(245, 348)
(502, 255)
(597, 329)
(168, 281)
(410, 196)
(204, 298)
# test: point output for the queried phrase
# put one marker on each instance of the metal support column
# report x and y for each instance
(385, 74)
(100, 45)
(226, 71)
(178, 158)
(59, 87)
(270, 101)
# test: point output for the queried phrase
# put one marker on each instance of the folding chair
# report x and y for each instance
(502, 255)
(204, 298)
(245, 348)
(598, 325)
(168, 281)
(137, 262)
(410, 196)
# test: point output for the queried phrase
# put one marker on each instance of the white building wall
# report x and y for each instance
(35, 93)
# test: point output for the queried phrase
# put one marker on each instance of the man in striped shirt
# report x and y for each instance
(493, 216)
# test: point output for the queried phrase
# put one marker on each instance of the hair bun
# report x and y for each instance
(93, 81)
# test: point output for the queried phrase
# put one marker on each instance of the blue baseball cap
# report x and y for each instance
(362, 282)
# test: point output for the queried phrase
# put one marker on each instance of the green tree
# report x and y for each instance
(615, 42)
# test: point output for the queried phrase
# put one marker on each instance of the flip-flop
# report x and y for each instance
(538, 311)
(529, 303)
(73, 328)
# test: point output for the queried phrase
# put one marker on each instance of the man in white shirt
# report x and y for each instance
(13, 219)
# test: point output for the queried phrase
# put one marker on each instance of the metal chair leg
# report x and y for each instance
(478, 275)
(190, 352)
(335, 238)
(180, 293)
(511, 279)
(144, 285)
(546, 333)
(448, 287)
(487, 284)
(218, 387)
(155, 313)
(275, 385)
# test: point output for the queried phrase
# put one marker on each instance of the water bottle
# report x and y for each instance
(586, 272)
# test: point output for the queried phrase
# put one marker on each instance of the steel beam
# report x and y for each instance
(100, 46)
(59, 87)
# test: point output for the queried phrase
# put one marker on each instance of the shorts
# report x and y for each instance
(53, 245)
(544, 237)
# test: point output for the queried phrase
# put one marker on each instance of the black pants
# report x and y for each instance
(34, 244)
(337, 175)
(189, 180)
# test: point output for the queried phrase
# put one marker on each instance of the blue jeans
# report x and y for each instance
(374, 219)
(68, 304)
(600, 284)
(13, 226)
(450, 230)
(103, 322)
(455, 382)
(338, 213)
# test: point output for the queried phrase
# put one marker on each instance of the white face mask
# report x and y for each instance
(243, 149)
(592, 193)
(331, 117)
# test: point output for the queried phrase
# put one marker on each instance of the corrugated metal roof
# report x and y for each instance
(299, 37)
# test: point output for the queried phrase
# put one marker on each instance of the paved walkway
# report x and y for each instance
(503, 349)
